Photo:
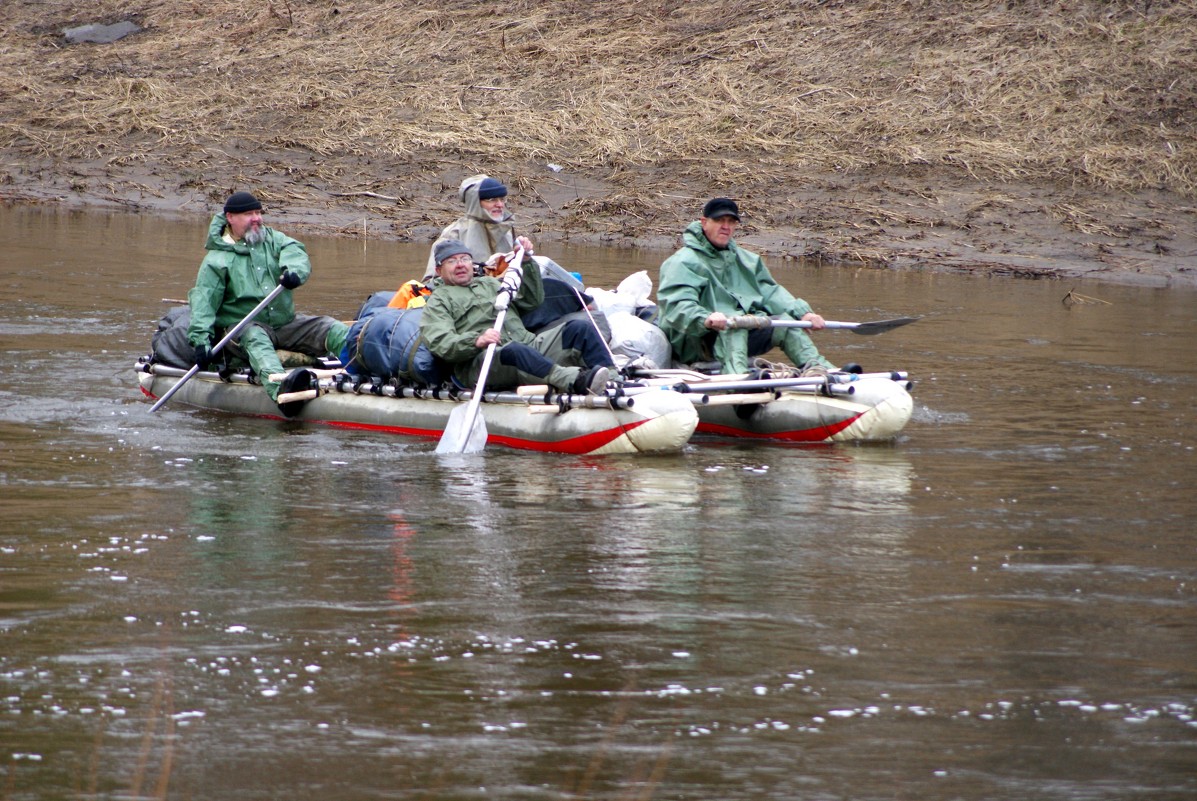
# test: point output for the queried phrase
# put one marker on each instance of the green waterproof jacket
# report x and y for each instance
(455, 316)
(234, 277)
(700, 279)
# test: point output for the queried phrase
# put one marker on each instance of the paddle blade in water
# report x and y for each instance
(460, 436)
(881, 326)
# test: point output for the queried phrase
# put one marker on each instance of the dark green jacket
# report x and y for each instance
(234, 278)
(455, 316)
(700, 279)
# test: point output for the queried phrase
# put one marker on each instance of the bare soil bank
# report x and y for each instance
(1037, 141)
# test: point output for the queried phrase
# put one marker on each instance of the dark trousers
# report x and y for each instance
(526, 359)
(760, 341)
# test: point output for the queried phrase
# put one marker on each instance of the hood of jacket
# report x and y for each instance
(216, 240)
(473, 206)
(694, 238)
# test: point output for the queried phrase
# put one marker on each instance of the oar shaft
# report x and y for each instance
(476, 397)
(236, 330)
(232, 334)
(768, 384)
(756, 321)
(178, 385)
(874, 327)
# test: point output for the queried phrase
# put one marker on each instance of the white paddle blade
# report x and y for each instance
(460, 436)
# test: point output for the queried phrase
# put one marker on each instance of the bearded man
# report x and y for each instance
(245, 261)
(487, 226)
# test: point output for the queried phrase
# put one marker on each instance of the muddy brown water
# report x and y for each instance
(1000, 605)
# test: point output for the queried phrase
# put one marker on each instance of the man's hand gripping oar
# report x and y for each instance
(465, 432)
(233, 333)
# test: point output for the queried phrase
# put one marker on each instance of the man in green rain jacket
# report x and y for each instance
(458, 326)
(711, 279)
(245, 261)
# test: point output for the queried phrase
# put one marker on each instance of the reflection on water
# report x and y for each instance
(999, 605)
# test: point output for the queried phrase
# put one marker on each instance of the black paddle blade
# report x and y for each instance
(881, 326)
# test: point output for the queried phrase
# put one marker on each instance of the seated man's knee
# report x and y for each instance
(575, 333)
(513, 353)
(524, 358)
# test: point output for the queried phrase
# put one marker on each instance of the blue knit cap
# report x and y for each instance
(491, 188)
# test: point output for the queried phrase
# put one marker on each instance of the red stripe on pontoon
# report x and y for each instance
(575, 445)
(806, 435)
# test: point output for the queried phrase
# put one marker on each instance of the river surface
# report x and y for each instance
(1000, 605)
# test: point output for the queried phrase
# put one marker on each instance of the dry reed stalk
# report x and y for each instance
(1099, 95)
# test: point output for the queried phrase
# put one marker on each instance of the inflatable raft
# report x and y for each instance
(843, 407)
(608, 424)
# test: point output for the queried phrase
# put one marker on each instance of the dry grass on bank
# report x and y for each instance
(652, 95)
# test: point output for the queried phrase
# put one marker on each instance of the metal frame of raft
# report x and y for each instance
(843, 407)
(655, 410)
(556, 423)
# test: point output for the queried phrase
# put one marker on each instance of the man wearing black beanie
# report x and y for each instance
(245, 261)
(711, 279)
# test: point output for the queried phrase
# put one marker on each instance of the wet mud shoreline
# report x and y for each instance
(896, 222)
(1050, 141)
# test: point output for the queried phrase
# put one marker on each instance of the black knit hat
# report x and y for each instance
(718, 207)
(241, 201)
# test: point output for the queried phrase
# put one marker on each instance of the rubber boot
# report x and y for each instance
(563, 378)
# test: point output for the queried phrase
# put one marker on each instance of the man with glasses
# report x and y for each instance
(458, 325)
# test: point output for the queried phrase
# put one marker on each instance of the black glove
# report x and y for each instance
(203, 356)
(289, 280)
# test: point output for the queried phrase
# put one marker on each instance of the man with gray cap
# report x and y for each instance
(711, 279)
(458, 319)
(244, 263)
(486, 228)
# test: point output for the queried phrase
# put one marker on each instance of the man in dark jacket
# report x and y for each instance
(458, 325)
(244, 262)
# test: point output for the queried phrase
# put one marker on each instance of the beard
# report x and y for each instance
(255, 235)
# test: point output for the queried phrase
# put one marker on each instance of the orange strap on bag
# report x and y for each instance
(497, 269)
(410, 295)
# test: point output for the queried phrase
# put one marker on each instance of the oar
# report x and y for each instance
(465, 431)
(231, 335)
(865, 329)
(593, 323)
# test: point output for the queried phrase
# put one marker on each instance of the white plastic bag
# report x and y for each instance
(637, 286)
(635, 338)
(631, 294)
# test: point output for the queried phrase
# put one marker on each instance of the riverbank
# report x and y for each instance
(1053, 144)
(891, 222)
